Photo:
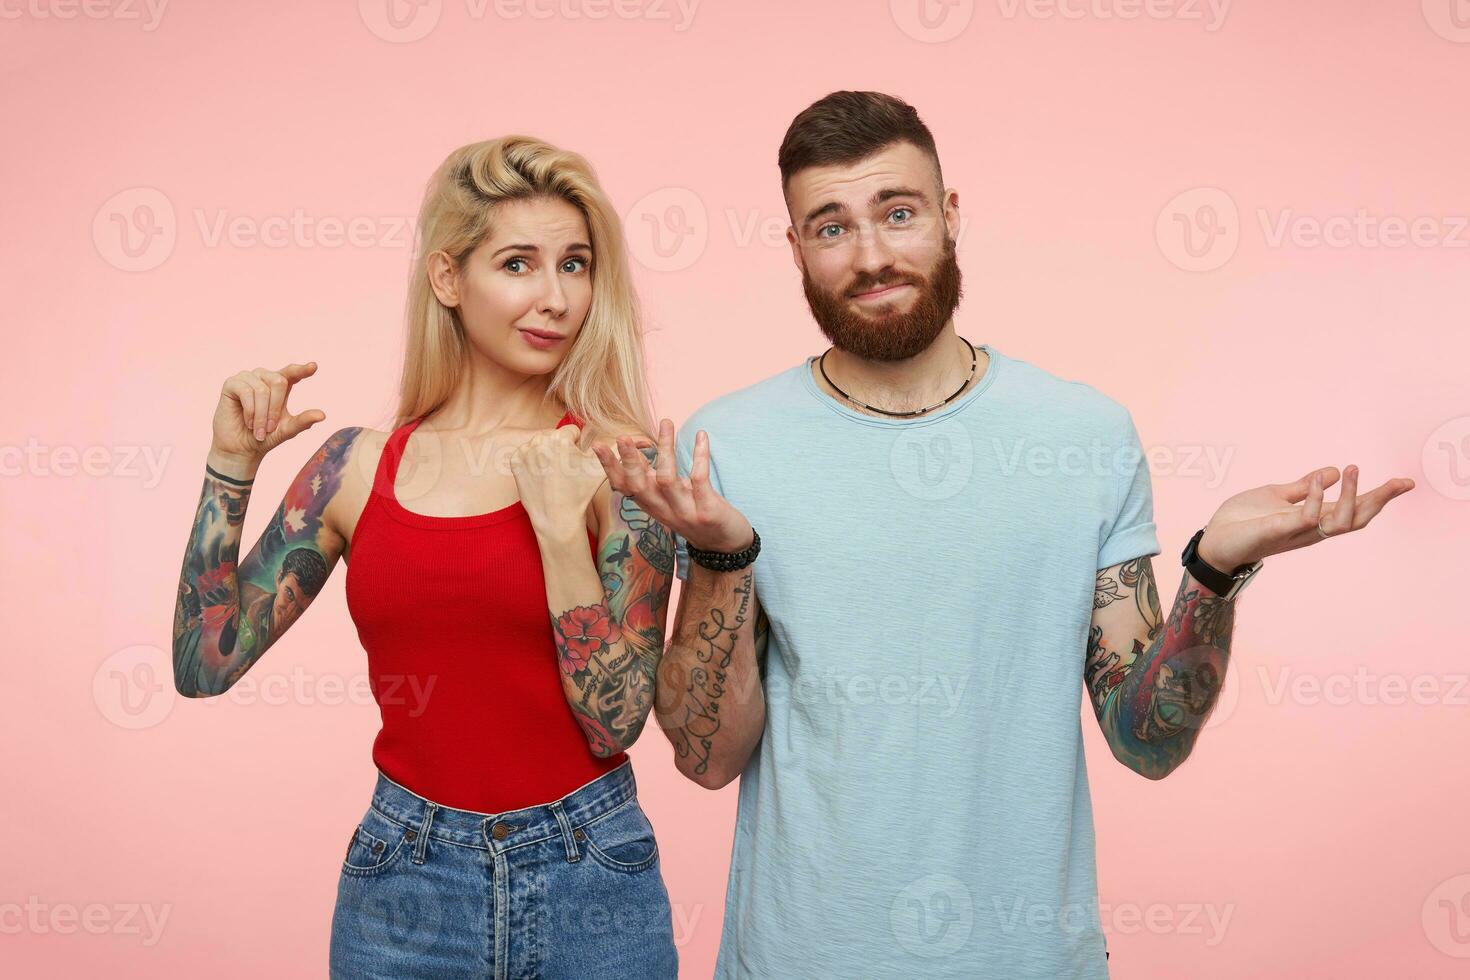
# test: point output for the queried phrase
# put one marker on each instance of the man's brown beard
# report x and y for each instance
(889, 336)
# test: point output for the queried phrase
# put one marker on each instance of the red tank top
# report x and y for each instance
(461, 658)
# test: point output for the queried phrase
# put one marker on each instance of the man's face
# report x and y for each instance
(288, 601)
(875, 244)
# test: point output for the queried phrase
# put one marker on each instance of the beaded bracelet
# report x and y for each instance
(725, 561)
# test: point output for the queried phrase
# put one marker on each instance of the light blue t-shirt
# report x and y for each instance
(918, 803)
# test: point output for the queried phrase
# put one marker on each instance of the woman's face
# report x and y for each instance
(524, 293)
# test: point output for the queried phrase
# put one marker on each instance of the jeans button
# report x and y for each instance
(500, 831)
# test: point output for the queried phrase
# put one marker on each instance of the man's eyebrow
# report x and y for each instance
(887, 193)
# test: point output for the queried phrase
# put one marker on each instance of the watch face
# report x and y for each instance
(1188, 555)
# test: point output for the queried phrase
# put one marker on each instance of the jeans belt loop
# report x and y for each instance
(422, 843)
(567, 836)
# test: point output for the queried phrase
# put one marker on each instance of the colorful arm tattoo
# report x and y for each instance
(609, 651)
(1152, 700)
(704, 667)
(228, 612)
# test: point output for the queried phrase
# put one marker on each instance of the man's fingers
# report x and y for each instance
(1312, 508)
(704, 494)
(1341, 518)
(1369, 504)
(1296, 491)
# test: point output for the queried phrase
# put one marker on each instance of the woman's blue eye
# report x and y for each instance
(510, 262)
(574, 262)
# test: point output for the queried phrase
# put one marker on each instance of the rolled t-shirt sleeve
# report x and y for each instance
(1132, 533)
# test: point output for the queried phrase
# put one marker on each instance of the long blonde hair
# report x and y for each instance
(601, 379)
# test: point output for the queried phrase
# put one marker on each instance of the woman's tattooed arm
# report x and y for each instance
(1154, 683)
(609, 648)
(229, 612)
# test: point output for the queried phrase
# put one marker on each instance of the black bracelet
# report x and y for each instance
(725, 561)
(226, 479)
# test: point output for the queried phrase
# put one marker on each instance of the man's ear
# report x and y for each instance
(795, 242)
(952, 220)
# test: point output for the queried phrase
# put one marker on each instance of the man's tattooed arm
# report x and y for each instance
(711, 704)
(229, 612)
(609, 648)
(1153, 683)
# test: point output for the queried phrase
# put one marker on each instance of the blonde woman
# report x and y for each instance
(512, 605)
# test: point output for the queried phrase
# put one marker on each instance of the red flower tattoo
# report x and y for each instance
(584, 631)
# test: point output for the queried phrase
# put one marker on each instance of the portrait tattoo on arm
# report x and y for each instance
(1153, 692)
(227, 612)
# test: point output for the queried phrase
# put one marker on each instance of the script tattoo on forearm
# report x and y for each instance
(610, 651)
(700, 689)
(1153, 700)
(228, 613)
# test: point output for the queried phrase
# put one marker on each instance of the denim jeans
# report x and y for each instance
(570, 889)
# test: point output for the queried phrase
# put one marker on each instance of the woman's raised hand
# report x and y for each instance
(251, 418)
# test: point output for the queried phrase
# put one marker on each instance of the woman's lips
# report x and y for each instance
(541, 339)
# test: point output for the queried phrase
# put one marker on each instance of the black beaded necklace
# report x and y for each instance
(974, 362)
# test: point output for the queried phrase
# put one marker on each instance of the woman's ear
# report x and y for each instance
(443, 278)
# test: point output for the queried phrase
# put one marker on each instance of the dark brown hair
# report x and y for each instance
(845, 127)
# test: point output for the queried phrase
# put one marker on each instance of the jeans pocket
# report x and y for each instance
(375, 845)
(621, 840)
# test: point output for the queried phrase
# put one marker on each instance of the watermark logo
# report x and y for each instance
(933, 916)
(932, 462)
(41, 918)
(1450, 19)
(400, 21)
(127, 462)
(1199, 230)
(1211, 13)
(1446, 917)
(667, 229)
(400, 912)
(1446, 459)
(147, 13)
(135, 229)
(133, 688)
(932, 21)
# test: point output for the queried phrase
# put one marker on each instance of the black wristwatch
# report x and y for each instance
(725, 561)
(1226, 585)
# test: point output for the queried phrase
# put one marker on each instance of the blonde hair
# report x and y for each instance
(601, 379)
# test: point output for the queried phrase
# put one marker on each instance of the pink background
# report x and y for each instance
(1322, 819)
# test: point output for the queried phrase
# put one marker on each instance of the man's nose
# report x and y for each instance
(871, 253)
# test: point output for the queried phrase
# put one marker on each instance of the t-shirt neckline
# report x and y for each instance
(958, 405)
